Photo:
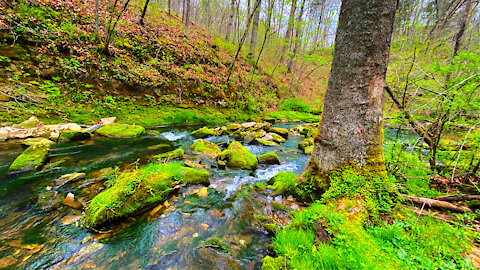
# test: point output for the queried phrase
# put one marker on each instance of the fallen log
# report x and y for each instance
(437, 204)
(457, 198)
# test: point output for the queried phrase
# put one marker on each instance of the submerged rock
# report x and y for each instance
(74, 135)
(171, 155)
(206, 148)
(70, 201)
(36, 141)
(139, 189)
(269, 158)
(49, 200)
(203, 133)
(120, 131)
(30, 123)
(237, 156)
(265, 142)
(62, 180)
(254, 135)
(32, 158)
(233, 126)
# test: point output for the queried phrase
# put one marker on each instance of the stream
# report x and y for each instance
(171, 236)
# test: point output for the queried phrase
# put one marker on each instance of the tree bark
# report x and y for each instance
(187, 16)
(298, 32)
(351, 130)
(144, 12)
(253, 40)
(96, 20)
(230, 21)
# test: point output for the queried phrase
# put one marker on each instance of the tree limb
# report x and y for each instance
(437, 204)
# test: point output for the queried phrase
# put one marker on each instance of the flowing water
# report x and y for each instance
(172, 236)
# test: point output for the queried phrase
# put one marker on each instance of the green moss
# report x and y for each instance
(271, 228)
(280, 131)
(284, 183)
(35, 234)
(33, 157)
(277, 138)
(305, 143)
(203, 133)
(269, 158)
(74, 135)
(218, 243)
(192, 176)
(265, 142)
(205, 147)
(233, 126)
(171, 155)
(308, 150)
(120, 131)
(237, 156)
(136, 190)
(270, 263)
(36, 141)
(278, 206)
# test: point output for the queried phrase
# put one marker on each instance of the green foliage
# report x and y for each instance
(406, 244)
(295, 104)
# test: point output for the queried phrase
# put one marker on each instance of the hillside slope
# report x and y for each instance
(51, 64)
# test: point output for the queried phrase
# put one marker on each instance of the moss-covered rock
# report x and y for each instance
(238, 135)
(276, 138)
(265, 142)
(206, 148)
(171, 155)
(203, 133)
(33, 157)
(233, 126)
(36, 141)
(270, 263)
(280, 131)
(269, 158)
(284, 183)
(237, 156)
(137, 190)
(120, 131)
(254, 135)
(30, 123)
(308, 150)
(305, 143)
(308, 131)
(74, 135)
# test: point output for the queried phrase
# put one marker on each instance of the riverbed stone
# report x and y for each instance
(206, 148)
(237, 156)
(171, 155)
(74, 135)
(248, 125)
(305, 143)
(36, 141)
(265, 142)
(254, 135)
(120, 131)
(269, 158)
(308, 150)
(49, 200)
(203, 133)
(33, 157)
(133, 192)
(280, 131)
(62, 180)
(233, 126)
(70, 201)
(276, 138)
(30, 123)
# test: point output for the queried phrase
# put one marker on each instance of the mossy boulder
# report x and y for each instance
(237, 156)
(308, 150)
(254, 135)
(30, 123)
(203, 133)
(36, 141)
(265, 142)
(74, 135)
(305, 143)
(233, 126)
(276, 138)
(120, 131)
(308, 131)
(171, 155)
(280, 131)
(284, 183)
(33, 157)
(134, 191)
(206, 148)
(269, 158)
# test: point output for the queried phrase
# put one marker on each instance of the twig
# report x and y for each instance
(461, 148)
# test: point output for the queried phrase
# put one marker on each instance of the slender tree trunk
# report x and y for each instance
(253, 40)
(351, 132)
(184, 5)
(187, 16)
(169, 3)
(297, 38)
(143, 12)
(288, 33)
(240, 44)
(111, 28)
(230, 21)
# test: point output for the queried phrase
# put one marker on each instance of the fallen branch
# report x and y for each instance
(437, 204)
(457, 198)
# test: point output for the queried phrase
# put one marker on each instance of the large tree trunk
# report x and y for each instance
(230, 21)
(351, 131)
(253, 40)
